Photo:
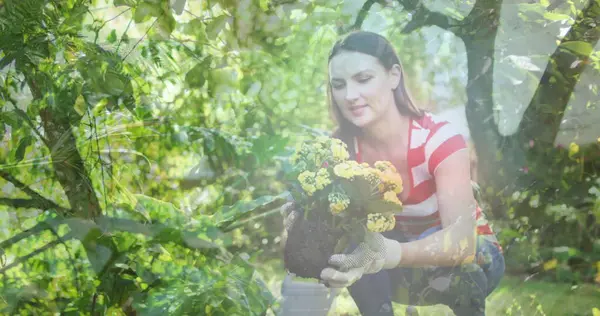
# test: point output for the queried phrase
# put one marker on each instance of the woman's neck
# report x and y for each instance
(385, 133)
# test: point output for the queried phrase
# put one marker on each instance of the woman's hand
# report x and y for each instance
(371, 256)
(290, 215)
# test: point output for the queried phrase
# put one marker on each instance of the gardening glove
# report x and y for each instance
(371, 256)
(290, 215)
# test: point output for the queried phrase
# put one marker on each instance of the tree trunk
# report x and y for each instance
(542, 119)
(68, 165)
(495, 170)
(505, 162)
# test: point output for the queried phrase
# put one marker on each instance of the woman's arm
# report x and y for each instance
(453, 245)
(456, 242)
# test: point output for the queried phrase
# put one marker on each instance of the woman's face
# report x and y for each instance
(361, 87)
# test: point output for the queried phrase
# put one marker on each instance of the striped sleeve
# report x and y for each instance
(442, 143)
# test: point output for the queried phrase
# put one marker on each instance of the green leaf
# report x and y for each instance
(129, 3)
(156, 210)
(12, 118)
(125, 198)
(196, 77)
(112, 37)
(265, 147)
(230, 214)
(96, 244)
(222, 79)
(578, 47)
(144, 11)
(164, 26)
(382, 206)
(215, 26)
(359, 189)
(165, 234)
(556, 16)
(23, 144)
(114, 83)
(197, 28)
(6, 60)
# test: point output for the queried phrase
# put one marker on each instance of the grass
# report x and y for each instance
(514, 296)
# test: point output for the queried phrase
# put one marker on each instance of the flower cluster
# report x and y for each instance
(327, 177)
(314, 181)
(350, 169)
(391, 180)
(321, 151)
(377, 222)
(338, 202)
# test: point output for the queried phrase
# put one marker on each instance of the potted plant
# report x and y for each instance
(338, 200)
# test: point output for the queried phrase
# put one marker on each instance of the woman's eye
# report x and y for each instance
(338, 86)
(364, 79)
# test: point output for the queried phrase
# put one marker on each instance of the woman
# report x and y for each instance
(442, 251)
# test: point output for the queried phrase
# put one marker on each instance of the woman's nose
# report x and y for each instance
(352, 93)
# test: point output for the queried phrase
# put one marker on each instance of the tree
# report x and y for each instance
(502, 158)
(93, 244)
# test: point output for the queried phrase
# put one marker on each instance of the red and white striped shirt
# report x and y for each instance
(431, 141)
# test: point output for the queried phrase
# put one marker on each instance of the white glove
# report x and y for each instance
(371, 256)
(289, 213)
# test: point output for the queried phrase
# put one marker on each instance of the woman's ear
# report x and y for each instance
(395, 74)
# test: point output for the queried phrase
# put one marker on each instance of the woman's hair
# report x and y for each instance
(379, 47)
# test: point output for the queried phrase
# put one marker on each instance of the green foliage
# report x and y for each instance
(182, 123)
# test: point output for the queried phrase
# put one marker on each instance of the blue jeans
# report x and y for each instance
(463, 288)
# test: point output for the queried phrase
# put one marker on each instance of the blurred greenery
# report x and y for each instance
(136, 142)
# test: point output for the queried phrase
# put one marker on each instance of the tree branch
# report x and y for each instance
(68, 164)
(421, 16)
(21, 203)
(33, 253)
(37, 201)
(39, 227)
(362, 14)
(561, 75)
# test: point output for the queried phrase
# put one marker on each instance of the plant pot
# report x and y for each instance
(310, 244)
(300, 298)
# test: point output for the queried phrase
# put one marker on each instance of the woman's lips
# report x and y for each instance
(358, 110)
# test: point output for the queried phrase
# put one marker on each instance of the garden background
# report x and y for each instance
(144, 142)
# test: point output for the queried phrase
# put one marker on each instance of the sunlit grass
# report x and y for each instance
(514, 296)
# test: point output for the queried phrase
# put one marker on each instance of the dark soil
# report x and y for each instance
(309, 245)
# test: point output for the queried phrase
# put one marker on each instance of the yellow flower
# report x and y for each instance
(373, 176)
(322, 179)
(343, 170)
(307, 181)
(385, 166)
(391, 196)
(551, 264)
(573, 149)
(380, 223)
(338, 202)
(392, 181)
(306, 177)
(357, 169)
(310, 189)
(338, 150)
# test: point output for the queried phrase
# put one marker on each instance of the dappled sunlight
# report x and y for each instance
(150, 151)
